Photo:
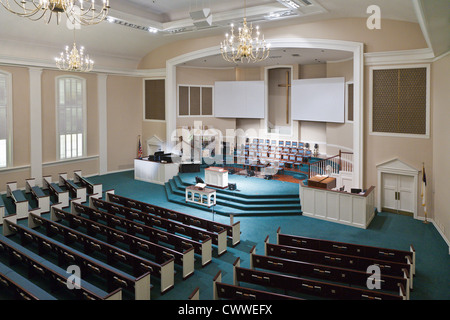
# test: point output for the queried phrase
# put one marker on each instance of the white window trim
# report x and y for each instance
(346, 102)
(9, 121)
(428, 117)
(58, 146)
(143, 101)
(189, 101)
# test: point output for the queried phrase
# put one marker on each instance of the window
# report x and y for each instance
(155, 99)
(400, 101)
(5, 119)
(71, 116)
(195, 100)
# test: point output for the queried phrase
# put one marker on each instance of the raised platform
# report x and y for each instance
(253, 196)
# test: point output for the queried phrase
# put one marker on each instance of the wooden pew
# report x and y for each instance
(180, 243)
(342, 276)
(233, 229)
(306, 286)
(3, 211)
(43, 200)
(401, 256)
(92, 188)
(58, 277)
(165, 272)
(21, 203)
(195, 295)
(228, 291)
(20, 286)
(218, 238)
(62, 196)
(135, 244)
(395, 269)
(115, 278)
(76, 191)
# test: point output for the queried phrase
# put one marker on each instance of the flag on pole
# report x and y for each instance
(140, 149)
(424, 191)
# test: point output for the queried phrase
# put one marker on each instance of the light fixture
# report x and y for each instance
(77, 11)
(74, 60)
(245, 46)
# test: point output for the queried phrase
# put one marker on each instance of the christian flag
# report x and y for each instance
(140, 149)
(424, 189)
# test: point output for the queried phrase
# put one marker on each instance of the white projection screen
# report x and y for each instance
(321, 100)
(239, 99)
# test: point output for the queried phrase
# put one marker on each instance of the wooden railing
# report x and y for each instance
(343, 162)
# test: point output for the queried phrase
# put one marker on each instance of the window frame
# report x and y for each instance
(9, 119)
(84, 113)
(427, 66)
(201, 115)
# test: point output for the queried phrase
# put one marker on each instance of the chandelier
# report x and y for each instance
(74, 60)
(245, 46)
(75, 10)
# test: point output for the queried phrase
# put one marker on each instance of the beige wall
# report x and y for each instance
(125, 116)
(438, 186)
(393, 36)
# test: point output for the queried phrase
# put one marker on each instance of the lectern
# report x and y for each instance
(216, 177)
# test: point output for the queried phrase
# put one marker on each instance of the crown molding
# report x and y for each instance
(399, 57)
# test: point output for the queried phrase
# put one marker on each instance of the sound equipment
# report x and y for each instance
(232, 186)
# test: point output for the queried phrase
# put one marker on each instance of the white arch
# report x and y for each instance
(357, 48)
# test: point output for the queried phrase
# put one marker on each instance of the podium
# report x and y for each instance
(216, 177)
(324, 182)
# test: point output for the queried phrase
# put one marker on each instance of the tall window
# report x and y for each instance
(5, 118)
(71, 116)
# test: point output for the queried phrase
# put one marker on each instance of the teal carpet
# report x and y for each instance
(432, 280)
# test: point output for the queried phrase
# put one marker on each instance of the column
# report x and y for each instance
(102, 124)
(36, 124)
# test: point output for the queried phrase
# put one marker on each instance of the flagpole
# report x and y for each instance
(424, 194)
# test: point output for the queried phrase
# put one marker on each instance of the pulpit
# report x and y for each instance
(216, 177)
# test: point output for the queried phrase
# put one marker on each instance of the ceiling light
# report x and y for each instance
(74, 60)
(77, 11)
(244, 45)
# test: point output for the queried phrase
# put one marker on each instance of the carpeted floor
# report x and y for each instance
(432, 280)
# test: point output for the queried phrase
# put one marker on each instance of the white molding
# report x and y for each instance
(422, 22)
(9, 119)
(399, 57)
(12, 169)
(357, 48)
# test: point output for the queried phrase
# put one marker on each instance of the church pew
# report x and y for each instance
(114, 278)
(306, 286)
(58, 277)
(231, 292)
(162, 254)
(21, 203)
(3, 211)
(195, 295)
(180, 243)
(20, 286)
(218, 238)
(76, 191)
(233, 229)
(92, 188)
(339, 260)
(62, 196)
(43, 200)
(338, 275)
(402, 256)
(165, 272)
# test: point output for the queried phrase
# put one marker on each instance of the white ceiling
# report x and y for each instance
(119, 42)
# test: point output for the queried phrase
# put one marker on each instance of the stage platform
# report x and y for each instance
(253, 196)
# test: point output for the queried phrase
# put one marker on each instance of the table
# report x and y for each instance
(216, 177)
(203, 196)
(154, 172)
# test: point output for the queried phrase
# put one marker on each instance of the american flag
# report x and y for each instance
(140, 149)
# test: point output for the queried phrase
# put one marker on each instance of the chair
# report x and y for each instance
(294, 144)
(281, 143)
(287, 143)
(298, 161)
(290, 161)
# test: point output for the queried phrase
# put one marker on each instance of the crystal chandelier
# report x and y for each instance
(245, 46)
(74, 60)
(77, 11)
